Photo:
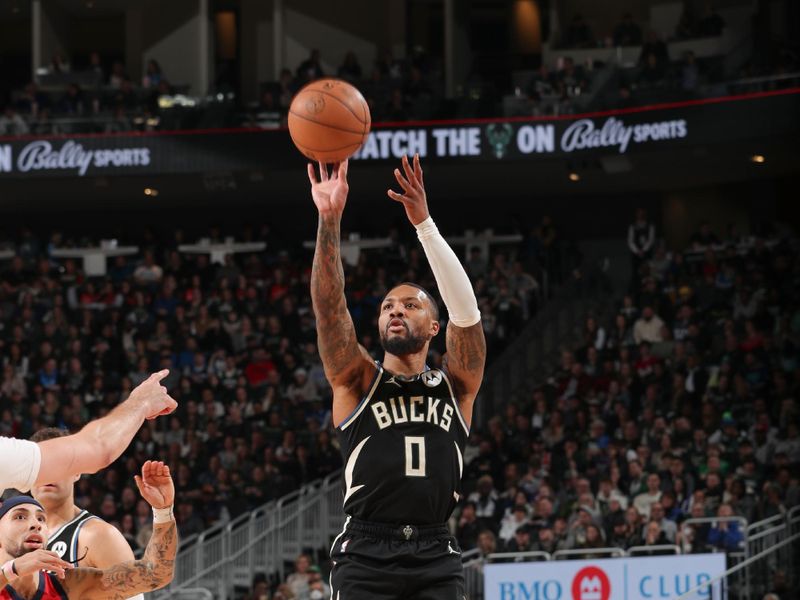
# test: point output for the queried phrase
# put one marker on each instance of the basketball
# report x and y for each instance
(329, 120)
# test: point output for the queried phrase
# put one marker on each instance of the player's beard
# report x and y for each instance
(402, 345)
(16, 550)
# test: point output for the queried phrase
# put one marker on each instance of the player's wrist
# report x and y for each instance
(163, 515)
(426, 228)
(9, 571)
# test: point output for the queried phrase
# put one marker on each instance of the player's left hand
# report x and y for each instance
(155, 484)
(413, 199)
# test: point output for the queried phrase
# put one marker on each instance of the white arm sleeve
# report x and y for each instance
(451, 278)
(19, 464)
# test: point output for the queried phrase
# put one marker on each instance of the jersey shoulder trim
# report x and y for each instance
(363, 404)
(455, 401)
(76, 536)
(72, 521)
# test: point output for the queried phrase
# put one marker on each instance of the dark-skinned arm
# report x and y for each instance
(466, 346)
(465, 358)
(346, 363)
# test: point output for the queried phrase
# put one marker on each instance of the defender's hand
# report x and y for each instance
(413, 199)
(41, 560)
(155, 484)
(330, 192)
(154, 396)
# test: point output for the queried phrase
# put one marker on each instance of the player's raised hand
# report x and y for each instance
(413, 197)
(330, 191)
(154, 395)
(155, 484)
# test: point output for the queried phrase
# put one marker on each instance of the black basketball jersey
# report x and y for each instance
(64, 541)
(403, 449)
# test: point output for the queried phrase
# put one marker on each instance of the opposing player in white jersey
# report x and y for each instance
(25, 464)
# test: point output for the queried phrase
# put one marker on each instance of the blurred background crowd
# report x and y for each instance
(584, 69)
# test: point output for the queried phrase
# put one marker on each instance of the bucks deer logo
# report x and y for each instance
(499, 136)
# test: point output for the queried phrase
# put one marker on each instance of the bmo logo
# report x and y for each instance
(591, 583)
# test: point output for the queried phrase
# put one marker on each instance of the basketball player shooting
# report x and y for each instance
(28, 571)
(402, 427)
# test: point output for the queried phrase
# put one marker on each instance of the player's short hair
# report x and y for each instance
(49, 433)
(431, 299)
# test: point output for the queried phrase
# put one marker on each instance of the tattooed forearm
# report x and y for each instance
(153, 571)
(336, 335)
(466, 355)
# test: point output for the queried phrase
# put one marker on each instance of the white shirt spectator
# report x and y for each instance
(644, 501)
(12, 124)
(648, 327)
(641, 235)
(512, 521)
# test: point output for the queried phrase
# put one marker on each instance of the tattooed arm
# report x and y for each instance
(347, 365)
(464, 361)
(155, 569)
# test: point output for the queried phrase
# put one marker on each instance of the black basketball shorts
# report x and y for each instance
(373, 561)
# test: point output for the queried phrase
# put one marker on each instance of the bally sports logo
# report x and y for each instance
(591, 583)
(41, 155)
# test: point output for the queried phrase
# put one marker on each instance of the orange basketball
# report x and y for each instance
(329, 120)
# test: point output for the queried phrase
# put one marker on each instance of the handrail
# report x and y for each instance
(201, 537)
(470, 554)
(295, 502)
(231, 525)
(793, 516)
(779, 518)
(713, 520)
(612, 552)
(634, 550)
(739, 567)
(765, 79)
(529, 553)
(765, 532)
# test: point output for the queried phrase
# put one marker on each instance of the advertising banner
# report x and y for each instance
(630, 578)
(701, 122)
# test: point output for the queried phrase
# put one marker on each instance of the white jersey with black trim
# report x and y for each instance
(403, 449)
(19, 464)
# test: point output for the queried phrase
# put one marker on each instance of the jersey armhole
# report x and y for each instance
(460, 414)
(362, 405)
(77, 535)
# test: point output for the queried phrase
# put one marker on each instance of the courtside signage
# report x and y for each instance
(68, 156)
(615, 133)
(502, 139)
(632, 578)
